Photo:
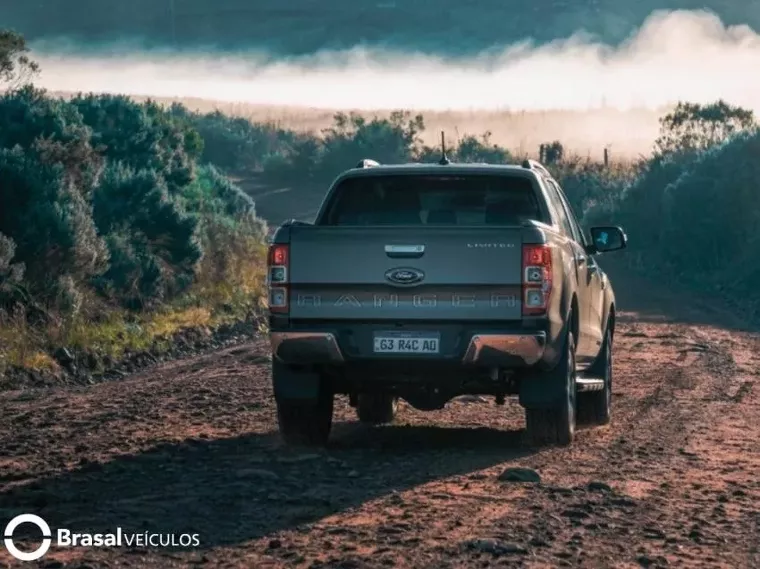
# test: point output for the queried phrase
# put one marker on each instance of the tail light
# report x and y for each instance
(537, 279)
(278, 263)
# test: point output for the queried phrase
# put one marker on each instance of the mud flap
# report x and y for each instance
(294, 385)
(542, 391)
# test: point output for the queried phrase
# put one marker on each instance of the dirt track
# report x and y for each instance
(190, 447)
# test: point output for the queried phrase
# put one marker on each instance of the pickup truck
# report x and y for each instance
(431, 281)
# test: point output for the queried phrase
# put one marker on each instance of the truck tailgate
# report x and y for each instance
(462, 273)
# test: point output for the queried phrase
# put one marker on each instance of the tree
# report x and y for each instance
(473, 149)
(552, 152)
(352, 137)
(16, 68)
(692, 128)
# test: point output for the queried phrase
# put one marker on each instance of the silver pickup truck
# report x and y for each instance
(430, 281)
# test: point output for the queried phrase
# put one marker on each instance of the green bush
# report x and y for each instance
(234, 143)
(711, 216)
(111, 235)
(692, 128)
(693, 208)
(353, 138)
(102, 194)
(50, 221)
(469, 149)
(473, 149)
(142, 136)
(153, 242)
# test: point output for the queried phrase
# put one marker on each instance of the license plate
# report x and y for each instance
(406, 343)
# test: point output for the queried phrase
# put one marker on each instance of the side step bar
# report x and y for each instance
(589, 384)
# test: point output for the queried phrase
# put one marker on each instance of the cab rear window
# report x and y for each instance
(433, 200)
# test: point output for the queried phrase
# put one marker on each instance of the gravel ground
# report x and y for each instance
(190, 446)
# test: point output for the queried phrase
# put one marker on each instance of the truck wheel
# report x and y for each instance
(376, 409)
(595, 407)
(556, 425)
(306, 423)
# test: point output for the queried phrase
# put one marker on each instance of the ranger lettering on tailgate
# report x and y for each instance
(417, 300)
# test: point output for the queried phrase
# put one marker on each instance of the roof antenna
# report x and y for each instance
(444, 159)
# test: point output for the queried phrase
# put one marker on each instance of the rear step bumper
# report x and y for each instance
(589, 384)
(484, 349)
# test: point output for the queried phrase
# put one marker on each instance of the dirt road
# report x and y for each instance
(190, 447)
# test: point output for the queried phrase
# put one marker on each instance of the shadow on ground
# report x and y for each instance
(233, 490)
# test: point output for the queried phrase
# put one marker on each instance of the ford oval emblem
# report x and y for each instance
(404, 276)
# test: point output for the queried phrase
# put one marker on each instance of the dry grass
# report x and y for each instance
(627, 134)
(238, 282)
(22, 345)
(118, 333)
(210, 302)
(121, 333)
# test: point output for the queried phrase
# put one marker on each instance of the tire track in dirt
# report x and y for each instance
(190, 446)
(651, 456)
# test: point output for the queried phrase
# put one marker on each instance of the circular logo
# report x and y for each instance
(28, 519)
(405, 276)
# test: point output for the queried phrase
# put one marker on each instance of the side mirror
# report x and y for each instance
(607, 238)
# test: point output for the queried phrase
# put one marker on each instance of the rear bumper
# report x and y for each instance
(489, 349)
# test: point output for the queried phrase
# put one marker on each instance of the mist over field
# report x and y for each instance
(680, 55)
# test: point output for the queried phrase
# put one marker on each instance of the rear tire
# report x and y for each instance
(556, 425)
(376, 409)
(306, 423)
(595, 407)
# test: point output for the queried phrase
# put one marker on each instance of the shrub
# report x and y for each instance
(234, 143)
(50, 221)
(142, 136)
(552, 152)
(231, 272)
(101, 193)
(711, 215)
(352, 138)
(468, 150)
(153, 243)
(692, 128)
